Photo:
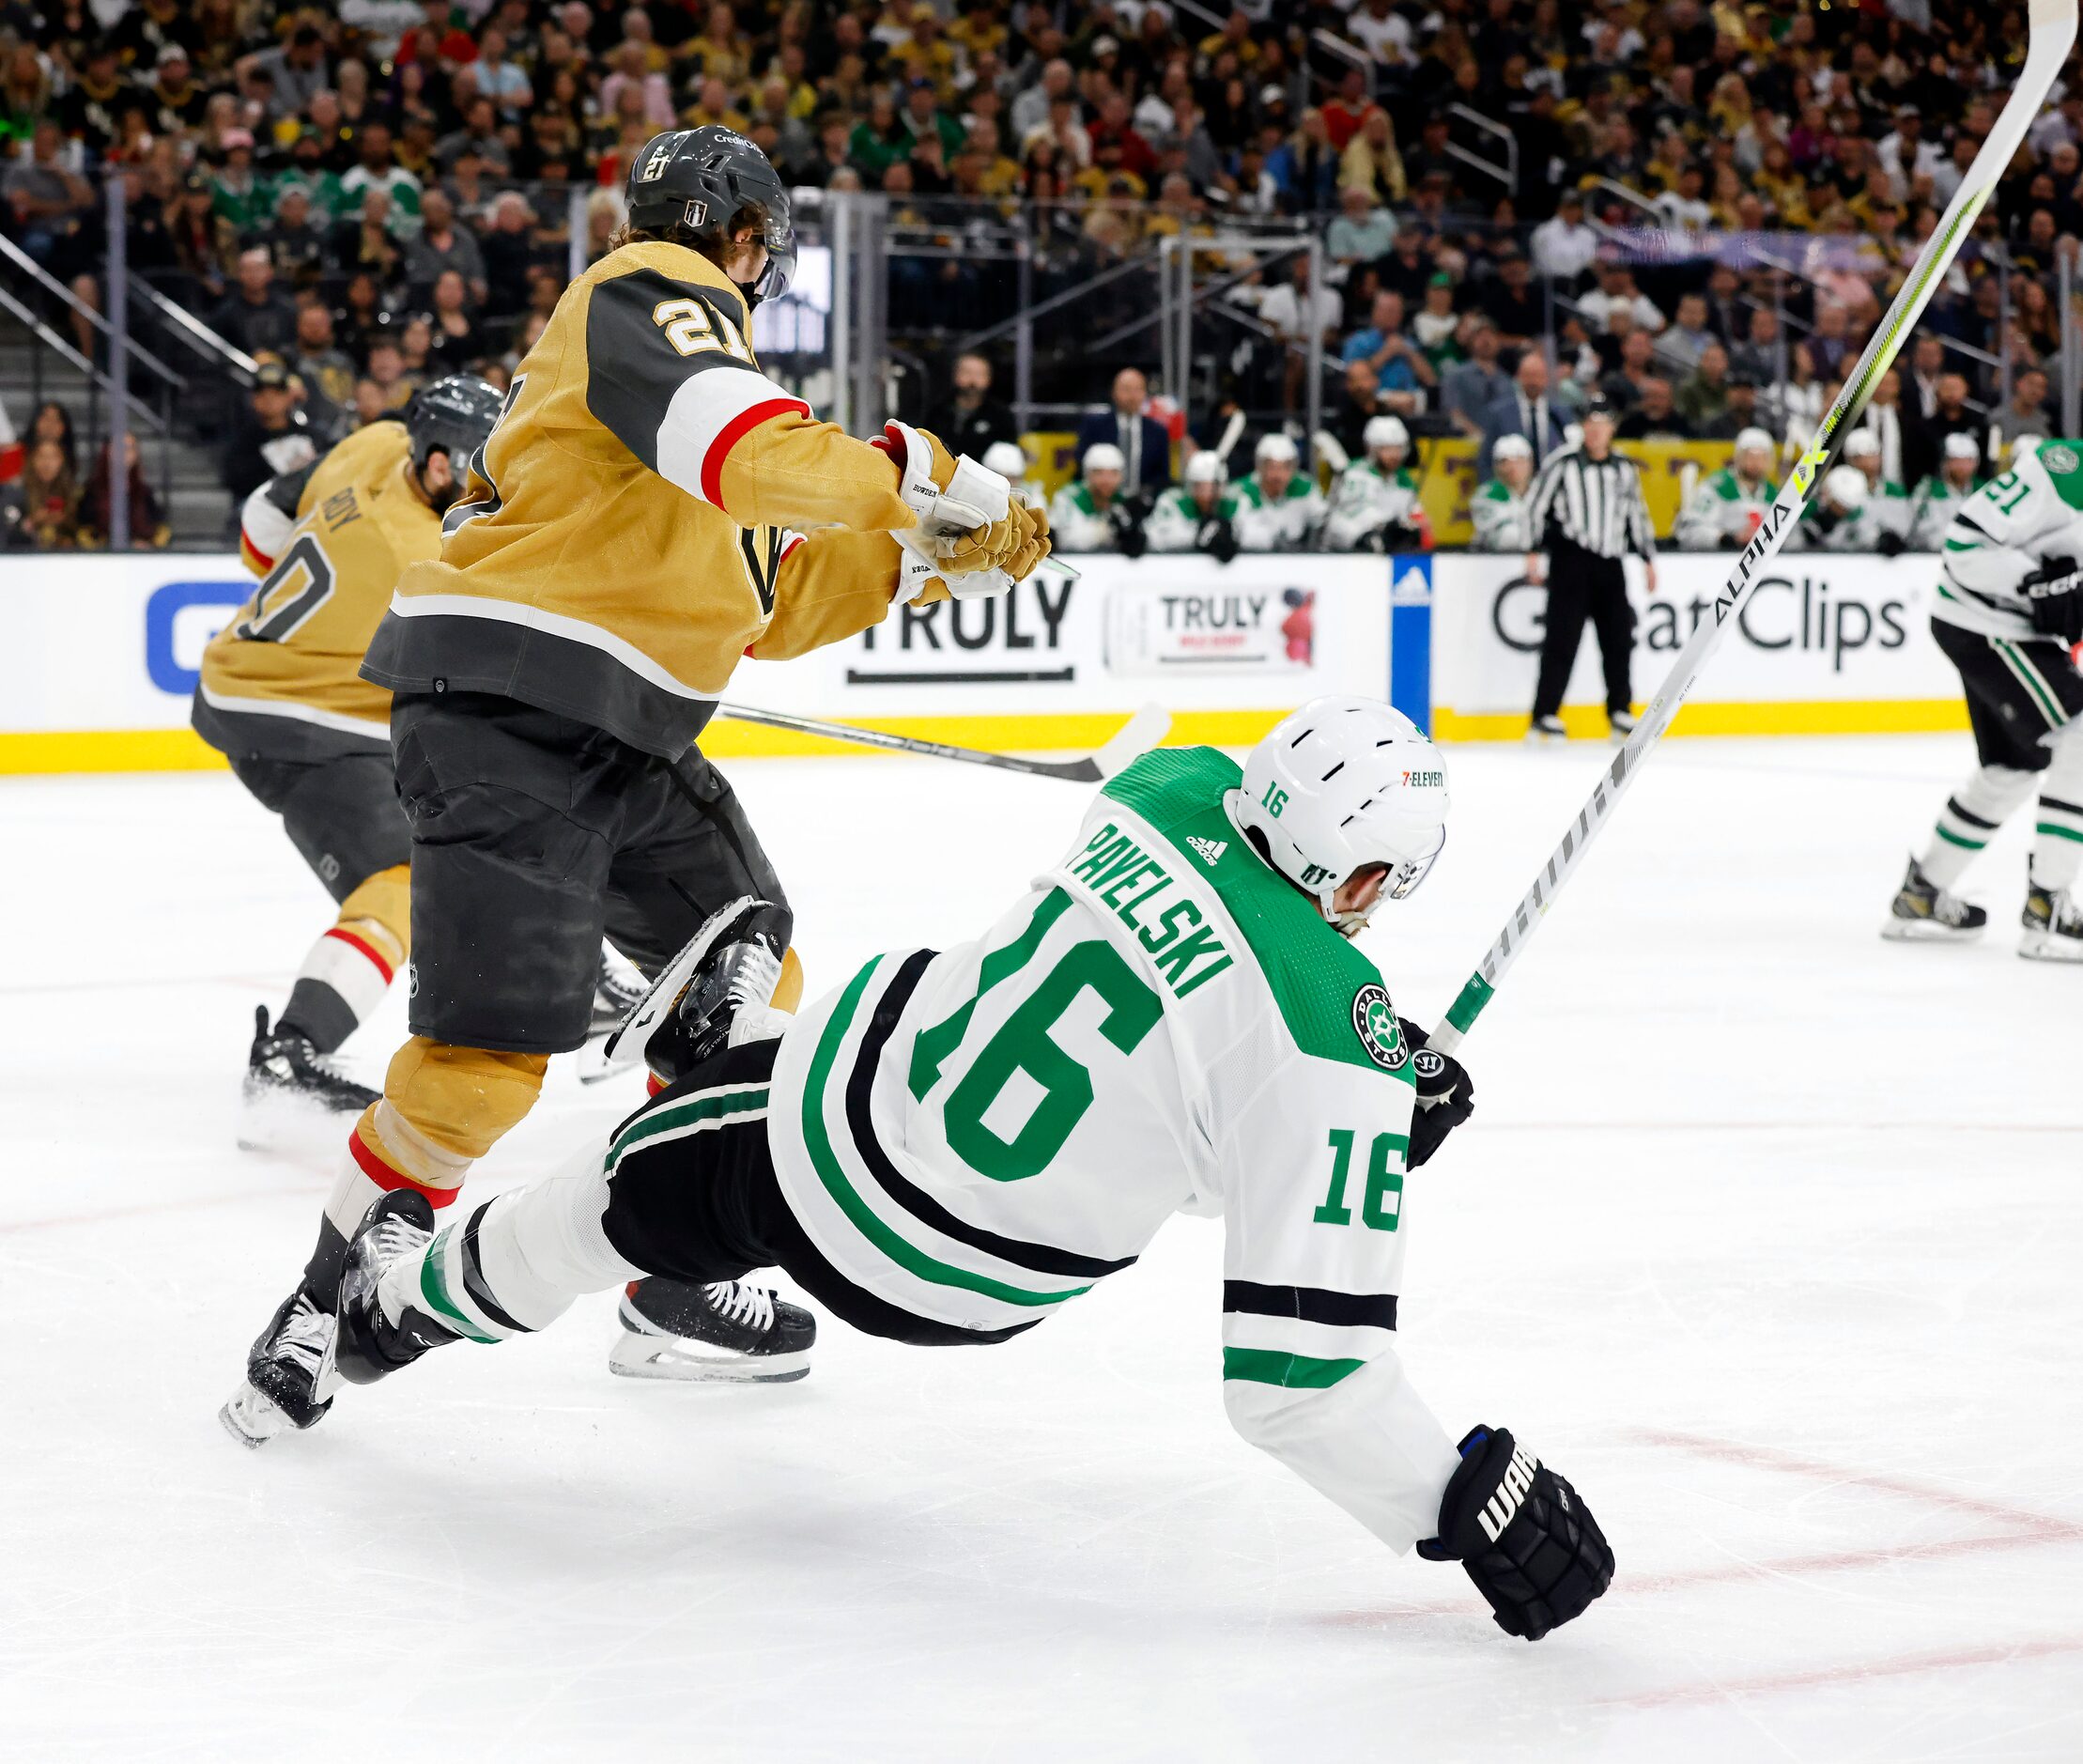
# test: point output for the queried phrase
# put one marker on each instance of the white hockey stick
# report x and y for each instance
(2053, 30)
(1142, 731)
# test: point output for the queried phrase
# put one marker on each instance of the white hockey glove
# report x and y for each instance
(970, 535)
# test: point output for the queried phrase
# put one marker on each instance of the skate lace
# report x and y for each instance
(749, 1305)
(757, 975)
(305, 1333)
(395, 1237)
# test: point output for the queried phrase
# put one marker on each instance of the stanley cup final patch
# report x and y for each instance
(1373, 1022)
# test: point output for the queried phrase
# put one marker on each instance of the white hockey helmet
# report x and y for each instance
(1511, 447)
(1959, 446)
(1206, 466)
(1385, 431)
(1337, 786)
(1008, 459)
(1276, 446)
(1103, 456)
(1752, 438)
(1862, 444)
(1846, 487)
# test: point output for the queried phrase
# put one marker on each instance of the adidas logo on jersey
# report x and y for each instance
(1209, 851)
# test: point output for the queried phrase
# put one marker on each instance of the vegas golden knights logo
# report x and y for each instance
(762, 548)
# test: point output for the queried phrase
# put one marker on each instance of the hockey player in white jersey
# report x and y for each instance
(2008, 613)
(1887, 510)
(1840, 519)
(1278, 507)
(954, 1145)
(1081, 514)
(1498, 510)
(1374, 504)
(1937, 498)
(1726, 506)
(1199, 516)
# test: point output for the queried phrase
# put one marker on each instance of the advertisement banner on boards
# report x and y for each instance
(102, 655)
(1824, 643)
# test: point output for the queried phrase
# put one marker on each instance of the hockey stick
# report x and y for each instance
(2053, 30)
(1136, 736)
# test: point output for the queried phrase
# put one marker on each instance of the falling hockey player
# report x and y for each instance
(2008, 613)
(954, 1145)
(624, 537)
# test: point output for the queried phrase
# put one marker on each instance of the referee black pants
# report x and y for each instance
(1581, 585)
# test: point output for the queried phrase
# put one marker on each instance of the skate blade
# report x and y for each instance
(291, 1125)
(253, 1417)
(2043, 945)
(590, 1063)
(671, 1359)
(1927, 931)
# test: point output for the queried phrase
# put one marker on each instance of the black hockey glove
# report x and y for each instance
(1890, 545)
(1525, 1537)
(1401, 535)
(2056, 592)
(1129, 537)
(1445, 1095)
(1217, 539)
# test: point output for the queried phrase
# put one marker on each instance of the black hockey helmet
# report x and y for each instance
(455, 415)
(692, 184)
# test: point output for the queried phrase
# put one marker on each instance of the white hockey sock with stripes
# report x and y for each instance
(1971, 819)
(342, 980)
(2057, 826)
(514, 1265)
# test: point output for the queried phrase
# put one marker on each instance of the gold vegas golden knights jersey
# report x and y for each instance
(283, 680)
(370, 455)
(642, 516)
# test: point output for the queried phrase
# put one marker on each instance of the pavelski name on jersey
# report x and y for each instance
(1129, 882)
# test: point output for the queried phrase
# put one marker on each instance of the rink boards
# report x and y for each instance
(99, 657)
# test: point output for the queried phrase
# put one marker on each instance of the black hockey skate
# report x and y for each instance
(2053, 925)
(738, 972)
(289, 1374)
(370, 1346)
(1923, 912)
(1544, 729)
(727, 1332)
(288, 1076)
(618, 991)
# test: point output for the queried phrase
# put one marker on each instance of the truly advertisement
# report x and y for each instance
(1850, 634)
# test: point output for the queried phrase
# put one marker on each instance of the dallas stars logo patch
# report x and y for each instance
(2056, 457)
(1373, 1022)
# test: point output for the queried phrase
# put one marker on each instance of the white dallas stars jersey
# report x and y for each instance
(1162, 1025)
(2003, 532)
(1364, 499)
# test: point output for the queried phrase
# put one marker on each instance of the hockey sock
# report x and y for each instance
(2057, 827)
(349, 969)
(514, 1265)
(1969, 820)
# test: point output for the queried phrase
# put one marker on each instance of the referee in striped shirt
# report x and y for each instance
(1586, 507)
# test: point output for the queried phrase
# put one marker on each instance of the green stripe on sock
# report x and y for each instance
(1954, 838)
(433, 1288)
(824, 1160)
(1291, 1372)
(1962, 544)
(2059, 832)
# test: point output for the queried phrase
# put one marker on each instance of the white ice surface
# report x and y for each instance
(1765, 1232)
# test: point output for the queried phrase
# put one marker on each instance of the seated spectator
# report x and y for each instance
(440, 245)
(1278, 507)
(268, 435)
(1362, 232)
(1704, 394)
(2025, 412)
(1436, 328)
(1082, 513)
(1526, 411)
(1512, 302)
(365, 241)
(1616, 288)
(1198, 516)
(1498, 510)
(1403, 374)
(149, 531)
(1469, 388)
(295, 243)
(1305, 170)
(47, 201)
(1937, 498)
(1739, 409)
(371, 403)
(980, 421)
(255, 316)
(1143, 442)
(479, 134)
(508, 250)
(1564, 246)
(202, 244)
(1758, 353)
(1688, 333)
(1623, 387)
(1346, 428)
(53, 422)
(375, 169)
(41, 510)
(1371, 163)
(1374, 504)
(1655, 415)
(457, 341)
(235, 191)
(324, 369)
(1725, 506)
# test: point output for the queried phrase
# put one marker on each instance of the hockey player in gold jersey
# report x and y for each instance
(649, 508)
(282, 696)
(369, 454)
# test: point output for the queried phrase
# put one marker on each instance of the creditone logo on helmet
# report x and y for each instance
(1374, 1021)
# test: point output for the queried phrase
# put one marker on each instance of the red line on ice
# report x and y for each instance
(1900, 1665)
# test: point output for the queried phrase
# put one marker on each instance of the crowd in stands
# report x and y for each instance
(366, 195)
